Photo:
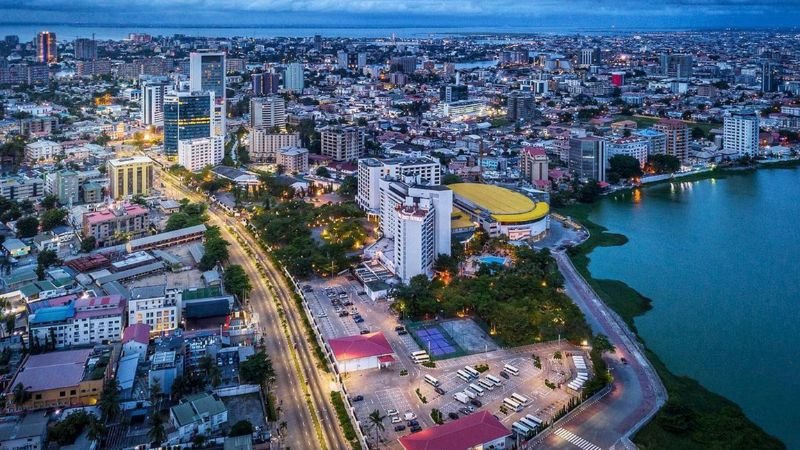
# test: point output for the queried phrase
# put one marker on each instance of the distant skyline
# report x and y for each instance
(532, 14)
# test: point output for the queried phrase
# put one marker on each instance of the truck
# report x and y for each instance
(461, 397)
(470, 394)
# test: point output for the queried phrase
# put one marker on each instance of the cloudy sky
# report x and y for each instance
(528, 13)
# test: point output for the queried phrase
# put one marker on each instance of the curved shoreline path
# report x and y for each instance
(637, 392)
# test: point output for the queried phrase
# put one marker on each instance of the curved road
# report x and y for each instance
(301, 389)
(637, 392)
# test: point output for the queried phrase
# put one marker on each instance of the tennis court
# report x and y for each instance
(435, 340)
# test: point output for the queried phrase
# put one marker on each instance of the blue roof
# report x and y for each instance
(648, 132)
(52, 314)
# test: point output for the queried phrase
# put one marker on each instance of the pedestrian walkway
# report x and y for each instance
(575, 439)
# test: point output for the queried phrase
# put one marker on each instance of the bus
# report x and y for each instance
(534, 419)
(432, 381)
(511, 369)
(520, 399)
(472, 372)
(421, 359)
(461, 374)
(493, 379)
(511, 404)
(528, 423)
(488, 385)
(419, 353)
(478, 390)
(521, 430)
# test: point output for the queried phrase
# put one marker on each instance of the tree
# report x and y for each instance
(623, 167)
(109, 400)
(236, 281)
(157, 431)
(376, 423)
(27, 226)
(45, 259)
(49, 201)
(216, 249)
(241, 428)
(416, 298)
(451, 178)
(698, 133)
(349, 187)
(663, 163)
(257, 369)
(52, 218)
(589, 192)
(21, 394)
(323, 172)
(88, 244)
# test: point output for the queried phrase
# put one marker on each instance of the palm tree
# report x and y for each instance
(21, 394)
(109, 400)
(376, 423)
(157, 431)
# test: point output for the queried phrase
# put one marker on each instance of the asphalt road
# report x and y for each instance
(298, 380)
(637, 392)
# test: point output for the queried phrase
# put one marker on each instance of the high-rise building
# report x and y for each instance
(207, 73)
(265, 83)
(676, 65)
(129, 177)
(521, 106)
(656, 141)
(267, 112)
(361, 61)
(343, 143)
(152, 103)
(341, 60)
(46, 47)
(590, 57)
(677, 133)
(293, 159)
(195, 154)
(265, 145)
(63, 184)
(770, 76)
(371, 171)
(85, 49)
(587, 158)
(534, 164)
(453, 93)
(741, 132)
(294, 77)
(187, 115)
(404, 64)
(633, 146)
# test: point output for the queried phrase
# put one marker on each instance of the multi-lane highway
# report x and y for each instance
(301, 389)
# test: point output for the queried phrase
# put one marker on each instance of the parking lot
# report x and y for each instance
(394, 389)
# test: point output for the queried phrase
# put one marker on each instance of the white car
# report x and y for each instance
(396, 419)
(392, 412)
(410, 416)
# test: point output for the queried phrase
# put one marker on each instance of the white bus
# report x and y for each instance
(520, 399)
(511, 404)
(421, 359)
(478, 390)
(488, 385)
(472, 372)
(534, 419)
(511, 369)
(521, 430)
(528, 423)
(432, 381)
(461, 374)
(494, 380)
(419, 353)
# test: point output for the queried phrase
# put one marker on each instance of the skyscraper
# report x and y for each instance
(207, 73)
(343, 143)
(453, 93)
(129, 177)
(294, 78)
(153, 103)
(187, 115)
(770, 76)
(521, 106)
(85, 49)
(587, 158)
(46, 47)
(405, 64)
(676, 65)
(265, 83)
(677, 137)
(341, 60)
(590, 56)
(267, 112)
(741, 132)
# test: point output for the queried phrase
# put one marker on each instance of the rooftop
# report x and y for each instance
(360, 346)
(139, 332)
(503, 204)
(53, 370)
(465, 433)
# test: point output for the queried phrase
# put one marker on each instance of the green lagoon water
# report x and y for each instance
(720, 259)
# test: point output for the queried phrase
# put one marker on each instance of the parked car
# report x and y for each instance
(412, 423)
(362, 293)
(392, 412)
(402, 333)
(476, 402)
(399, 328)
(452, 415)
(396, 419)
(364, 331)
(504, 375)
(439, 390)
(464, 411)
(343, 313)
(359, 320)
(399, 428)
(410, 416)
(416, 428)
(357, 398)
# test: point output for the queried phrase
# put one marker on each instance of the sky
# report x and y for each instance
(638, 14)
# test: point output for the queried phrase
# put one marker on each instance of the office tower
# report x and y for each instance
(317, 42)
(187, 115)
(741, 132)
(362, 60)
(267, 112)
(371, 171)
(521, 106)
(207, 73)
(590, 57)
(153, 103)
(404, 64)
(587, 158)
(195, 154)
(341, 60)
(12, 40)
(343, 143)
(677, 133)
(265, 84)
(85, 49)
(770, 76)
(453, 93)
(46, 47)
(265, 145)
(294, 78)
(534, 165)
(129, 177)
(676, 65)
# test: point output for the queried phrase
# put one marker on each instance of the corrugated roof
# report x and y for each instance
(467, 432)
(503, 204)
(360, 346)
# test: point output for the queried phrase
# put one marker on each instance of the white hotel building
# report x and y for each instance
(634, 146)
(741, 133)
(195, 154)
(371, 171)
(264, 145)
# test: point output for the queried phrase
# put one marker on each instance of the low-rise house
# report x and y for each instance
(24, 432)
(198, 414)
(135, 340)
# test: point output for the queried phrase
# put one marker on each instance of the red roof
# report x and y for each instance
(139, 332)
(385, 359)
(535, 151)
(360, 346)
(466, 432)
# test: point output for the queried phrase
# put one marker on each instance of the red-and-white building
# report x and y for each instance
(362, 352)
(476, 431)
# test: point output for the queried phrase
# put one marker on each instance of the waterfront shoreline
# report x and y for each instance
(689, 401)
